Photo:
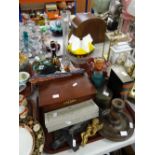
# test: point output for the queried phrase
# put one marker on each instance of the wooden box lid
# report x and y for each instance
(66, 91)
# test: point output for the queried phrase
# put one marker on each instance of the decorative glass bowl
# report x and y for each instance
(80, 56)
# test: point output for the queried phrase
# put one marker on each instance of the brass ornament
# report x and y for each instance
(91, 130)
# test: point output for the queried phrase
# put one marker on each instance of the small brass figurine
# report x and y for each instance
(91, 130)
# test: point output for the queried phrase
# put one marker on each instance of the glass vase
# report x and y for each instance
(65, 19)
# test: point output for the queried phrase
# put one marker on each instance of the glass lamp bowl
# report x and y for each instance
(80, 56)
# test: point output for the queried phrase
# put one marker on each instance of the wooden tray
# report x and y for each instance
(49, 136)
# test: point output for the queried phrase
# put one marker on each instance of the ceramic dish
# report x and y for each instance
(36, 132)
(23, 77)
(26, 140)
